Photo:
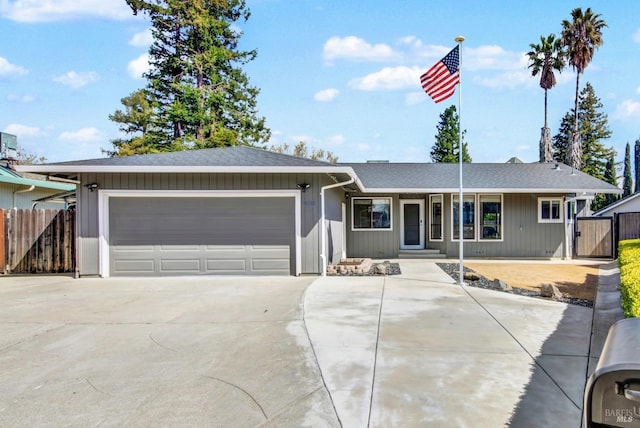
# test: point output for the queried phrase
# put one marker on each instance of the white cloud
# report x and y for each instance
(628, 109)
(636, 36)
(8, 69)
(142, 39)
(389, 78)
(82, 135)
(337, 139)
(63, 10)
(355, 48)
(413, 98)
(23, 131)
(328, 94)
(139, 66)
(25, 99)
(76, 80)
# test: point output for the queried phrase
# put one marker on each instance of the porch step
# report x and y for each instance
(421, 254)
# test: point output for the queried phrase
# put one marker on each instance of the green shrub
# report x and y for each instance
(629, 263)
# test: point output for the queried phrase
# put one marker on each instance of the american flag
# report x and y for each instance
(439, 82)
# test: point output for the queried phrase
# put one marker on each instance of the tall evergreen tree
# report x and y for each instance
(581, 36)
(627, 182)
(636, 165)
(544, 58)
(446, 147)
(198, 92)
(610, 176)
(593, 126)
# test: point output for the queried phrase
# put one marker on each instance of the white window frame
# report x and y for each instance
(479, 216)
(475, 218)
(361, 229)
(441, 239)
(551, 199)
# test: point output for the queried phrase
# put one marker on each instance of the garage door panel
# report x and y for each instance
(164, 236)
(187, 265)
(227, 266)
(134, 266)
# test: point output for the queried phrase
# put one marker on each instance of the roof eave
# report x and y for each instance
(75, 169)
(484, 190)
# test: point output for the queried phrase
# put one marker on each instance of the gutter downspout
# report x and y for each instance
(323, 232)
(21, 191)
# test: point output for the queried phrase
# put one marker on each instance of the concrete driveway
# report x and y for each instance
(158, 352)
(407, 350)
(417, 350)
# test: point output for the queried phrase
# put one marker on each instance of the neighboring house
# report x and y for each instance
(18, 191)
(241, 210)
(629, 204)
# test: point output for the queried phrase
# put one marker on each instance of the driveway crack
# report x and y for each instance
(239, 388)
(375, 355)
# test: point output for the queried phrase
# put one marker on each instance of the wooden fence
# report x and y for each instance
(37, 241)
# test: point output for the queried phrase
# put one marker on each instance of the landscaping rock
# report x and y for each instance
(551, 291)
(471, 276)
(380, 269)
(499, 284)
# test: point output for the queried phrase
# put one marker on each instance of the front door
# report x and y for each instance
(412, 224)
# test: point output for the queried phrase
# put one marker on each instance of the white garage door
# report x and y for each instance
(153, 236)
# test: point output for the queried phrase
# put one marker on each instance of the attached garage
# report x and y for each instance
(147, 234)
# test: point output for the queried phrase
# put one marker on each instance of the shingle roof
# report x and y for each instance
(373, 177)
(222, 156)
(515, 177)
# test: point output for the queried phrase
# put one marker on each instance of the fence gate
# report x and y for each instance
(594, 237)
(37, 241)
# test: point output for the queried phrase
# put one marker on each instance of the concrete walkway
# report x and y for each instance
(418, 350)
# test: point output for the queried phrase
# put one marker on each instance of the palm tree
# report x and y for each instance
(581, 36)
(544, 58)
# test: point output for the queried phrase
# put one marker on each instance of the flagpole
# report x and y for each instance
(459, 40)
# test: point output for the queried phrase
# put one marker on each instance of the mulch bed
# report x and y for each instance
(453, 270)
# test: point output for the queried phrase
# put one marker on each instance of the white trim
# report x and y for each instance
(103, 213)
(431, 239)
(344, 230)
(560, 201)
(479, 190)
(73, 168)
(390, 228)
(420, 203)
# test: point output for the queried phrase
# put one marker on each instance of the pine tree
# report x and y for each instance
(627, 183)
(593, 127)
(199, 94)
(445, 149)
(601, 200)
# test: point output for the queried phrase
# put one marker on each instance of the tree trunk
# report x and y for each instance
(574, 155)
(546, 154)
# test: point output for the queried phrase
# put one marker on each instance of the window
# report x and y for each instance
(468, 217)
(371, 214)
(490, 217)
(435, 218)
(549, 210)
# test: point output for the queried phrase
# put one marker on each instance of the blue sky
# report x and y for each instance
(340, 75)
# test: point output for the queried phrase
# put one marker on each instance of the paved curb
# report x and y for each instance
(607, 310)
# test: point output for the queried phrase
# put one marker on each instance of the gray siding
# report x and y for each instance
(334, 224)
(376, 244)
(523, 235)
(87, 205)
